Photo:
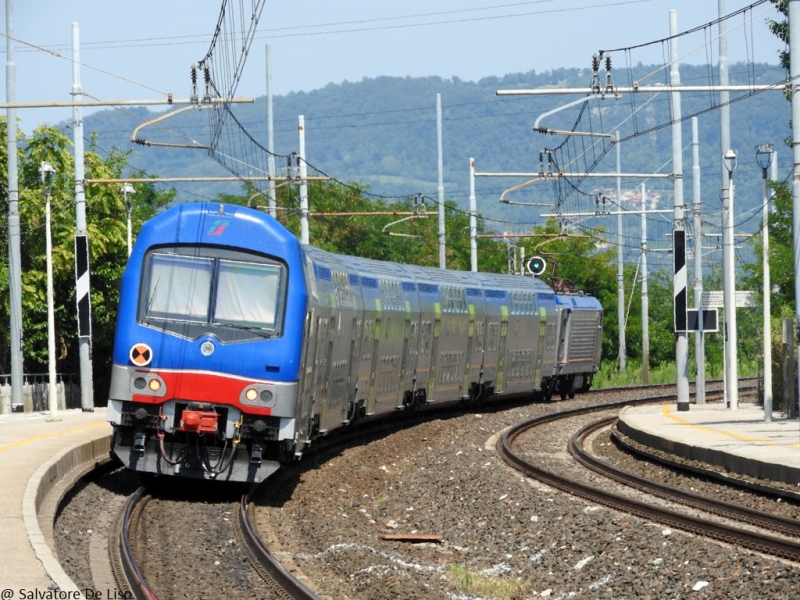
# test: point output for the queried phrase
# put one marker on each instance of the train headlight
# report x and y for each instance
(266, 396)
(140, 383)
(251, 394)
(154, 385)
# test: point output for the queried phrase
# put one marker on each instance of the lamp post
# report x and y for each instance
(48, 172)
(128, 188)
(764, 158)
(729, 287)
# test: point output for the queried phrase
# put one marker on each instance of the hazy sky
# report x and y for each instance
(143, 50)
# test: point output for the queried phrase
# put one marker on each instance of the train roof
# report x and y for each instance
(211, 223)
(579, 302)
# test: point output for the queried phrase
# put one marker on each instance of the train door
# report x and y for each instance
(501, 353)
(540, 347)
(350, 405)
(475, 352)
(322, 368)
(401, 396)
(374, 353)
(434, 364)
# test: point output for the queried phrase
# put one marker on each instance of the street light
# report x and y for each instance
(729, 287)
(48, 172)
(764, 153)
(128, 188)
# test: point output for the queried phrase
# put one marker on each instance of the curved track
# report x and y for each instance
(280, 584)
(752, 540)
(782, 525)
(129, 576)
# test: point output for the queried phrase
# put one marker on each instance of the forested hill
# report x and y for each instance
(382, 132)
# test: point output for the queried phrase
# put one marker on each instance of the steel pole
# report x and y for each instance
(82, 279)
(697, 213)
(442, 249)
(765, 290)
(301, 163)
(620, 268)
(679, 282)
(794, 77)
(645, 297)
(14, 261)
(473, 223)
(47, 180)
(270, 138)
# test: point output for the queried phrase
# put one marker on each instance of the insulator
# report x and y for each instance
(194, 75)
(608, 63)
(595, 62)
(206, 74)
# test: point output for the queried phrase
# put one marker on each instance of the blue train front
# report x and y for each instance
(208, 345)
(237, 346)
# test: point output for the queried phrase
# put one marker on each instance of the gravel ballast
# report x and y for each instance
(503, 536)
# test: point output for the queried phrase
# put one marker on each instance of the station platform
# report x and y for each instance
(739, 441)
(37, 453)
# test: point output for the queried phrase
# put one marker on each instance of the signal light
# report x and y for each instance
(251, 394)
(154, 385)
(536, 266)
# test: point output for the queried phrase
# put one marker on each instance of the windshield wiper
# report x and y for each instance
(251, 328)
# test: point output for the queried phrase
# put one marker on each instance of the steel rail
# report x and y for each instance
(288, 583)
(764, 544)
(134, 579)
(789, 527)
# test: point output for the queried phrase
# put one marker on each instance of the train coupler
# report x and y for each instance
(255, 454)
(139, 438)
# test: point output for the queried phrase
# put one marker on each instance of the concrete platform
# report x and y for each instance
(36, 453)
(739, 441)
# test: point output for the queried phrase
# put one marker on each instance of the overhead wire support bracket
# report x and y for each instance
(418, 213)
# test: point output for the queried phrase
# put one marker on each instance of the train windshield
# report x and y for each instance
(189, 294)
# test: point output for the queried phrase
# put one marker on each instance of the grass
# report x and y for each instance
(609, 375)
(487, 587)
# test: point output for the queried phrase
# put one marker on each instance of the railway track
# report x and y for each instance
(131, 574)
(757, 518)
(277, 578)
(760, 541)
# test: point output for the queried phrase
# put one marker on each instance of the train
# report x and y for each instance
(237, 346)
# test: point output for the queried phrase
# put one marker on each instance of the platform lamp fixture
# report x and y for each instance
(48, 173)
(128, 188)
(764, 156)
(729, 288)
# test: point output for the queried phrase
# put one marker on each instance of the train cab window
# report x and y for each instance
(246, 294)
(192, 291)
(179, 287)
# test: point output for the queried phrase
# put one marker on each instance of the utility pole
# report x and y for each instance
(473, 221)
(620, 266)
(728, 164)
(794, 77)
(270, 138)
(442, 253)
(301, 164)
(645, 297)
(697, 213)
(14, 261)
(678, 233)
(82, 281)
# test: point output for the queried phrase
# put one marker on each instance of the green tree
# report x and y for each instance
(107, 232)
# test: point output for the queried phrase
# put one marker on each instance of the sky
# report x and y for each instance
(144, 50)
